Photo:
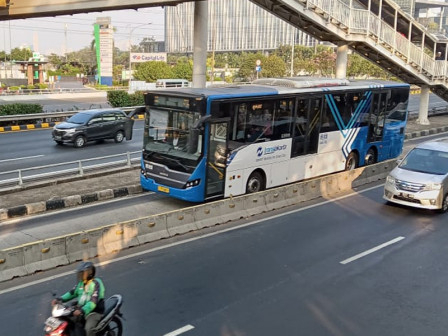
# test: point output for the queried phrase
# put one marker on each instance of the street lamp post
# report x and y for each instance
(130, 49)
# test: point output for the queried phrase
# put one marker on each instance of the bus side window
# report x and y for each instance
(300, 127)
(283, 120)
(328, 122)
(312, 137)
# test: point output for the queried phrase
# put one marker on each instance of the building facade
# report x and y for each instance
(234, 25)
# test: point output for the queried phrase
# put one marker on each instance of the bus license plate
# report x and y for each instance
(163, 189)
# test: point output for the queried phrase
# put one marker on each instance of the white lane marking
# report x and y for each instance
(180, 330)
(379, 247)
(155, 249)
(22, 158)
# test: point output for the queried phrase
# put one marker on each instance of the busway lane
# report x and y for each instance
(22, 230)
(274, 276)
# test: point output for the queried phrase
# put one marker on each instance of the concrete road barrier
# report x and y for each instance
(45, 254)
(151, 228)
(49, 253)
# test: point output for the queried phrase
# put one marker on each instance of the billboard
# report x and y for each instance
(147, 57)
(104, 41)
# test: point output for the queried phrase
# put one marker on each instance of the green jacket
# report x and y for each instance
(90, 296)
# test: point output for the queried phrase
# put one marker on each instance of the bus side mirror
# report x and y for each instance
(193, 140)
(200, 123)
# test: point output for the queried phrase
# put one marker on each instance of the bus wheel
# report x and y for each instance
(352, 161)
(255, 183)
(370, 157)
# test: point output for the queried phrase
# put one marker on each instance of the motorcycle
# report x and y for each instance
(60, 322)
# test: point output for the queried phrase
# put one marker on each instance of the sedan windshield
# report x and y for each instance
(426, 161)
(79, 118)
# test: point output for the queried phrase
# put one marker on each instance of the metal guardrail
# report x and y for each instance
(72, 168)
(47, 117)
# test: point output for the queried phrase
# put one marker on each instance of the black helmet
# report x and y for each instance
(88, 267)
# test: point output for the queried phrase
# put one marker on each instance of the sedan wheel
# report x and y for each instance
(444, 207)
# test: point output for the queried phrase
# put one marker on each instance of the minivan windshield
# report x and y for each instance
(426, 161)
(79, 118)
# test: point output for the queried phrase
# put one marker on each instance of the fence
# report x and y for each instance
(71, 168)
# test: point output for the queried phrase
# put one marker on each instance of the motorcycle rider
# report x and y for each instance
(89, 293)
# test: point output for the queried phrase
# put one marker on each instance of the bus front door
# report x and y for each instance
(217, 158)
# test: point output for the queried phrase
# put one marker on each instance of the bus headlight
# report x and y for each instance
(193, 183)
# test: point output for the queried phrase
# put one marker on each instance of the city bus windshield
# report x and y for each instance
(170, 139)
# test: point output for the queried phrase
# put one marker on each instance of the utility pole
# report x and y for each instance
(10, 47)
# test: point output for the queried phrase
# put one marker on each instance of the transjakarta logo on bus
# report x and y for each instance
(271, 150)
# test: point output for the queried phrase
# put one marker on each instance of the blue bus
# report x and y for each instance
(203, 144)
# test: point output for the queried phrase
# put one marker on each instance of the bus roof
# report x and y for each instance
(278, 86)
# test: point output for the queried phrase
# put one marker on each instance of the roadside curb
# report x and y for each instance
(27, 127)
(417, 134)
(68, 202)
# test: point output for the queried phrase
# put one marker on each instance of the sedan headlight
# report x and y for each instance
(390, 179)
(433, 186)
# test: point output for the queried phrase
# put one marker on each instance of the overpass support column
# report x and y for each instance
(424, 104)
(341, 60)
(200, 43)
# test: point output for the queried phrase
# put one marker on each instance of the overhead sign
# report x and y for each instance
(147, 57)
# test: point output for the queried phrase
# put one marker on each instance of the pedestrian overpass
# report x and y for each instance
(376, 29)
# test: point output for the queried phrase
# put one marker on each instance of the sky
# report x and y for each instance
(73, 32)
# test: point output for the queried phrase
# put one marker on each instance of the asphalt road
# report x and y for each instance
(286, 275)
(23, 230)
(21, 150)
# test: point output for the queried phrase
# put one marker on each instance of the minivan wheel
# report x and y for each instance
(119, 136)
(60, 143)
(444, 207)
(80, 141)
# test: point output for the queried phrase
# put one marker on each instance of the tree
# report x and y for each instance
(23, 54)
(273, 66)
(183, 70)
(3, 56)
(151, 71)
(247, 66)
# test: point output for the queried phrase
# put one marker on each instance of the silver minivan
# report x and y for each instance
(421, 179)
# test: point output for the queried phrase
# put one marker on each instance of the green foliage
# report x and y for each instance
(183, 71)
(122, 98)
(14, 88)
(273, 66)
(30, 87)
(151, 71)
(23, 54)
(248, 63)
(13, 109)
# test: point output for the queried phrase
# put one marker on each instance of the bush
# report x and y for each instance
(122, 98)
(31, 87)
(14, 88)
(13, 109)
(42, 86)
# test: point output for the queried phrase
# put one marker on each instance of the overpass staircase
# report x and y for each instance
(378, 30)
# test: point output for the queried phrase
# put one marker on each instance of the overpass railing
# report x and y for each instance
(360, 21)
